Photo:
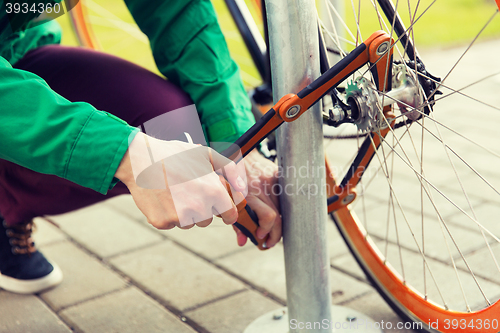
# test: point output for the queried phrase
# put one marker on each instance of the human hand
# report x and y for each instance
(173, 183)
(262, 175)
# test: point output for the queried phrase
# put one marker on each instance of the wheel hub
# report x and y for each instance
(405, 93)
(365, 104)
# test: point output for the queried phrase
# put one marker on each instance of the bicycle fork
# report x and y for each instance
(377, 52)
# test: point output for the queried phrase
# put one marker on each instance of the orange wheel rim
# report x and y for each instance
(403, 295)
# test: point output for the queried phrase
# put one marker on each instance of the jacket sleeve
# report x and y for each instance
(190, 50)
(42, 131)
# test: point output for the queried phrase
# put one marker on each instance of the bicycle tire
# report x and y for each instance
(385, 254)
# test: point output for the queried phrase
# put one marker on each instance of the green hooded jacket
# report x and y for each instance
(44, 132)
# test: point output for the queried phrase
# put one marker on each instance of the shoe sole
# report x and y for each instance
(32, 286)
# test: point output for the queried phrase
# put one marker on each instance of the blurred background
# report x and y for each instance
(118, 34)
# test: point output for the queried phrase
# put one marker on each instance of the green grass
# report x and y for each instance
(448, 22)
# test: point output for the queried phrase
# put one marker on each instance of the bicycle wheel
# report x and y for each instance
(426, 229)
(108, 26)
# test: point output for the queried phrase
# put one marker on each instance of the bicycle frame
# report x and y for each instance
(256, 45)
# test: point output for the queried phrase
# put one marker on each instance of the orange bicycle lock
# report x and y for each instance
(377, 51)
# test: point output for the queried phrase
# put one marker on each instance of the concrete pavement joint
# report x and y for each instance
(243, 249)
(73, 325)
(93, 298)
(108, 258)
(197, 306)
(55, 242)
(78, 244)
(346, 272)
(248, 284)
(175, 311)
(357, 296)
(69, 325)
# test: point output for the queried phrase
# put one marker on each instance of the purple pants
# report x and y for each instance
(108, 83)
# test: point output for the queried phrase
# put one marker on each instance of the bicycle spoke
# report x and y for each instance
(356, 18)
(464, 53)
(446, 226)
(341, 20)
(379, 16)
(459, 91)
(335, 37)
(448, 128)
(388, 176)
(408, 225)
(407, 161)
(114, 21)
(462, 159)
(390, 208)
(422, 216)
(445, 196)
(405, 32)
(473, 215)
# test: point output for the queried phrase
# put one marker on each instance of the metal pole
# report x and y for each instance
(294, 51)
(293, 33)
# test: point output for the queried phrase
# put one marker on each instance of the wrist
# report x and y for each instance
(124, 171)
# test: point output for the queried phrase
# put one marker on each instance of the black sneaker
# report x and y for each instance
(23, 269)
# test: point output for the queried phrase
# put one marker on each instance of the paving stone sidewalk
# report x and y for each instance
(121, 275)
